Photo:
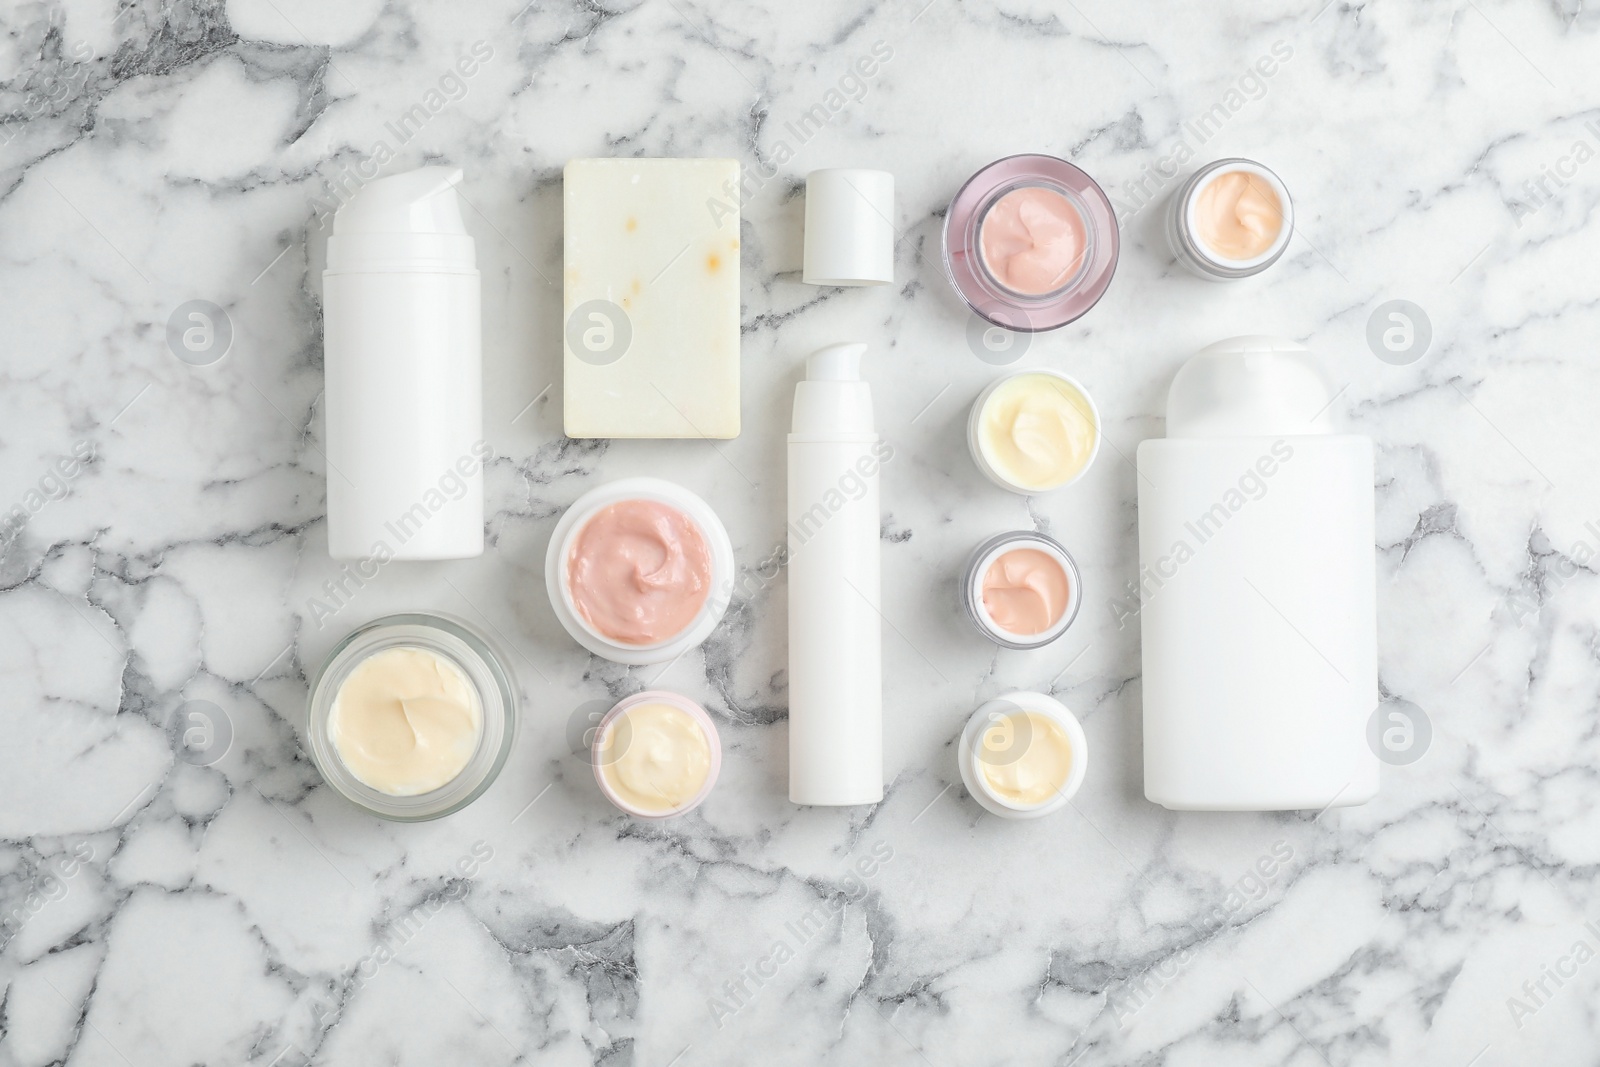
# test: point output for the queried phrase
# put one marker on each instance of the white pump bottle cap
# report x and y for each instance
(402, 223)
(1249, 387)
(833, 400)
(849, 227)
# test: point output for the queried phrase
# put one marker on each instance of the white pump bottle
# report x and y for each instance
(403, 364)
(835, 627)
(1258, 584)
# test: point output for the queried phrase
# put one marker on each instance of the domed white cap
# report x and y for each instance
(849, 227)
(1249, 387)
(407, 222)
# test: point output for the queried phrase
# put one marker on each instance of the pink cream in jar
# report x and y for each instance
(1021, 589)
(1026, 591)
(1030, 243)
(639, 572)
(1033, 240)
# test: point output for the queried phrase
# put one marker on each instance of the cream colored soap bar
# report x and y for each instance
(651, 298)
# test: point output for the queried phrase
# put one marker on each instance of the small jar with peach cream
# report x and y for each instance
(1021, 589)
(639, 570)
(1231, 219)
(1023, 755)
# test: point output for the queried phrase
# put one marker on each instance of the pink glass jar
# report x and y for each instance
(984, 289)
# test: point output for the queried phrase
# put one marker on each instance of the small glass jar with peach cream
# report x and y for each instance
(1023, 755)
(1021, 589)
(412, 716)
(639, 570)
(1231, 219)
(656, 754)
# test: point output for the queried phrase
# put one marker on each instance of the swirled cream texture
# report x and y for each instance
(1237, 215)
(1024, 757)
(1033, 240)
(654, 757)
(1037, 431)
(639, 572)
(405, 721)
(1026, 591)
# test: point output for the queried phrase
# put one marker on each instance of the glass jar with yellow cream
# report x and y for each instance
(412, 716)
(1033, 431)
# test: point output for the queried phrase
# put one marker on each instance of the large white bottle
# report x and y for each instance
(1258, 581)
(835, 635)
(403, 364)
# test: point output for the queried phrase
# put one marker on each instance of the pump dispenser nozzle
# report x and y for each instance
(404, 222)
(833, 399)
(836, 363)
(418, 201)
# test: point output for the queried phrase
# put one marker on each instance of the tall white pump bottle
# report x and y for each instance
(835, 629)
(404, 371)
(1258, 585)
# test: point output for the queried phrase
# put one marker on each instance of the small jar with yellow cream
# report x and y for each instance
(1033, 431)
(1023, 755)
(656, 754)
(412, 716)
(1231, 219)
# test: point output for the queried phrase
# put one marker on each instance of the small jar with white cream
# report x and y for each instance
(639, 570)
(1231, 219)
(412, 716)
(1033, 431)
(1023, 755)
(1021, 589)
(656, 754)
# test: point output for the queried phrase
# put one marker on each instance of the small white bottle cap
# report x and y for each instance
(849, 227)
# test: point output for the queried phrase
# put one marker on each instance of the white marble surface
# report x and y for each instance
(162, 913)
